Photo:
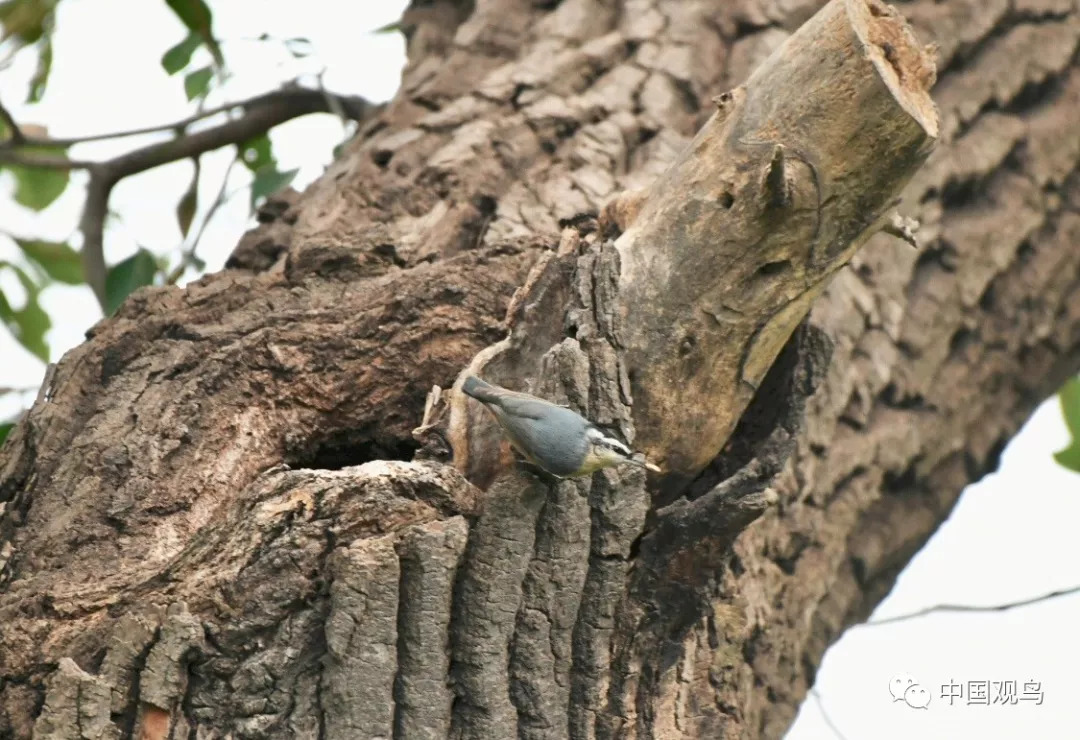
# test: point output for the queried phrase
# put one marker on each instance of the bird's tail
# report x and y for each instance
(481, 391)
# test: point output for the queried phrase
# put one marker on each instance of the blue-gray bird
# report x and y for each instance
(551, 437)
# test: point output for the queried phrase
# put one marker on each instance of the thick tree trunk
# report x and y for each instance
(162, 575)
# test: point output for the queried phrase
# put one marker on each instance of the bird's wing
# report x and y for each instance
(521, 405)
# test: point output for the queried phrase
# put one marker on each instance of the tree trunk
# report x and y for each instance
(217, 521)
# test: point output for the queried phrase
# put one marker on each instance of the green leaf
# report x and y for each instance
(58, 260)
(124, 277)
(197, 83)
(41, 74)
(189, 202)
(267, 181)
(1069, 458)
(37, 187)
(24, 19)
(5, 430)
(196, 15)
(1069, 397)
(394, 27)
(33, 322)
(179, 56)
(30, 323)
(257, 153)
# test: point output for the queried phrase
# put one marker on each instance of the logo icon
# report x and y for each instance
(905, 688)
(899, 684)
(917, 697)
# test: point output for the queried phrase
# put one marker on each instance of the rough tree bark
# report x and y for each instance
(161, 574)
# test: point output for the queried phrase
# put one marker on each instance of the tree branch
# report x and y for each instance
(222, 197)
(92, 226)
(355, 106)
(43, 161)
(969, 608)
(825, 715)
(260, 114)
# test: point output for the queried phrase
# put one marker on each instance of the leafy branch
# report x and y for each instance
(252, 118)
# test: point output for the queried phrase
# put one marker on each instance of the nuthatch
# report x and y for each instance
(552, 437)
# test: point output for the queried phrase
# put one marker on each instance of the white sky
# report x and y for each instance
(1013, 535)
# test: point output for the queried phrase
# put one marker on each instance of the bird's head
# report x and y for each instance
(606, 451)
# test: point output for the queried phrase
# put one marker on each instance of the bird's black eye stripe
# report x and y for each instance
(614, 444)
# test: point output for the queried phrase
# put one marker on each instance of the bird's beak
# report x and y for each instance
(644, 464)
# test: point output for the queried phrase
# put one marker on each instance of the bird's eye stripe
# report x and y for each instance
(616, 445)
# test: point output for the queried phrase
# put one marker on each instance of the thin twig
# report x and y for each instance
(222, 197)
(335, 106)
(965, 608)
(4, 389)
(42, 161)
(275, 96)
(825, 715)
(16, 137)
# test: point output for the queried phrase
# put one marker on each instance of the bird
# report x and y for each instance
(554, 438)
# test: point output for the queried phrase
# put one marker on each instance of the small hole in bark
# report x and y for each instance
(727, 200)
(687, 346)
(427, 103)
(961, 340)
(486, 204)
(389, 252)
(585, 223)
(858, 569)
(382, 157)
(1033, 93)
(736, 564)
(957, 194)
(893, 397)
(774, 268)
(899, 481)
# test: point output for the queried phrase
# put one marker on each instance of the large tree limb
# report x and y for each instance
(732, 245)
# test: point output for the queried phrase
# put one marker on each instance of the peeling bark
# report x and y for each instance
(212, 522)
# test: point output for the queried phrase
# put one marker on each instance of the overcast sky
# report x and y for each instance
(1012, 536)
